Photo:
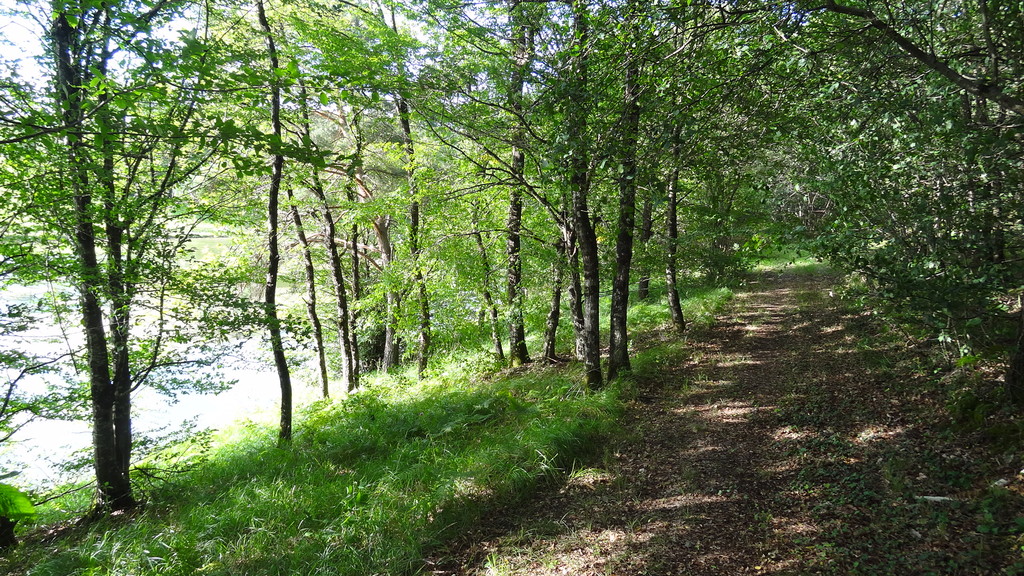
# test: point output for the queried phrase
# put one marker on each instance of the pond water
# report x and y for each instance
(37, 450)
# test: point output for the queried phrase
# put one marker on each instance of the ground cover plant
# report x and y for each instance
(370, 484)
(367, 485)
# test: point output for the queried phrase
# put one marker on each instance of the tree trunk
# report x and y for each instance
(390, 357)
(349, 372)
(643, 289)
(522, 40)
(314, 317)
(1013, 380)
(575, 296)
(113, 485)
(672, 241)
(618, 336)
(555, 310)
(354, 315)
(349, 376)
(273, 254)
(423, 351)
(578, 108)
(357, 171)
(488, 299)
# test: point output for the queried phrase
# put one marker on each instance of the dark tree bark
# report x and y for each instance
(492, 309)
(349, 375)
(357, 170)
(575, 294)
(643, 289)
(349, 371)
(618, 336)
(423, 352)
(109, 406)
(354, 315)
(522, 41)
(555, 309)
(672, 240)
(578, 106)
(273, 253)
(314, 316)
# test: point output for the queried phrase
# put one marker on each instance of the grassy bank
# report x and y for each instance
(370, 484)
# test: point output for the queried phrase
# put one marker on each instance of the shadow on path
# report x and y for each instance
(760, 453)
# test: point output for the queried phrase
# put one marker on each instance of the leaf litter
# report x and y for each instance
(776, 444)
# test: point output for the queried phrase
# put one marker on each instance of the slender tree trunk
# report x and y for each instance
(349, 376)
(414, 239)
(579, 328)
(113, 485)
(120, 308)
(119, 290)
(354, 315)
(555, 310)
(273, 253)
(357, 291)
(618, 336)
(492, 309)
(643, 289)
(578, 108)
(1013, 380)
(671, 272)
(382, 229)
(522, 41)
(349, 372)
(314, 317)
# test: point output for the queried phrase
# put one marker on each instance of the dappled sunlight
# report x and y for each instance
(684, 500)
(775, 458)
(876, 433)
(790, 434)
(739, 362)
(793, 527)
(727, 413)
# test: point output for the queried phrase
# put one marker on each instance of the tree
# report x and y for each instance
(618, 341)
(122, 148)
(583, 244)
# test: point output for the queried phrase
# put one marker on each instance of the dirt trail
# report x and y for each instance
(759, 454)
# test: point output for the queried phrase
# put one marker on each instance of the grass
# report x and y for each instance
(370, 484)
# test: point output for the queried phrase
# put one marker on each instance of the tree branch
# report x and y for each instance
(984, 89)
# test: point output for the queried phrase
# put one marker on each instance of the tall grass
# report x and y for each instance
(370, 484)
(367, 486)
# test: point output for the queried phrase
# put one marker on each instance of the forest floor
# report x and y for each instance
(780, 440)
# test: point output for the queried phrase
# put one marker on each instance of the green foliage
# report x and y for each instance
(14, 504)
(369, 484)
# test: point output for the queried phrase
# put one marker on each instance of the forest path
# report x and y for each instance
(761, 448)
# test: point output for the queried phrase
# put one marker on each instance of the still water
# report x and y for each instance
(36, 450)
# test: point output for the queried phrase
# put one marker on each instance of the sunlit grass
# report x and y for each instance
(792, 261)
(368, 485)
(372, 482)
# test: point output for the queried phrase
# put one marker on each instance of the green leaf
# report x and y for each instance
(14, 504)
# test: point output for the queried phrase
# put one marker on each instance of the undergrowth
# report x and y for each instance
(366, 487)
(369, 485)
